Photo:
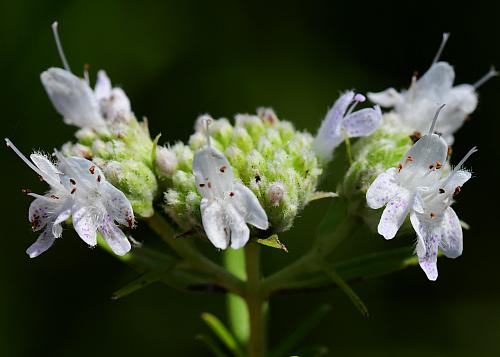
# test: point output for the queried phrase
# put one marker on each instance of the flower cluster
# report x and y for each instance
(78, 190)
(267, 155)
(259, 171)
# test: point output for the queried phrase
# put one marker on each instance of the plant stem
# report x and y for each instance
(196, 260)
(255, 302)
(237, 311)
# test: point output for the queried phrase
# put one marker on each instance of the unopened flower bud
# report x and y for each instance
(267, 115)
(275, 193)
(136, 181)
(166, 161)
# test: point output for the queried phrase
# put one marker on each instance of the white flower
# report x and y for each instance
(113, 101)
(73, 98)
(423, 186)
(340, 122)
(78, 189)
(418, 103)
(227, 206)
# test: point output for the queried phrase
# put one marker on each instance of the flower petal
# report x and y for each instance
(329, 136)
(72, 98)
(114, 236)
(117, 104)
(44, 242)
(238, 229)
(394, 214)
(249, 207)
(429, 235)
(451, 243)
(213, 173)
(437, 80)
(383, 189)
(47, 168)
(85, 224)
(102, 89)
(117, 205)
(426, 152)
(387, 98)
(363, 122)
(456, 179)
(460, 101)
(41, 212)
(214, 223)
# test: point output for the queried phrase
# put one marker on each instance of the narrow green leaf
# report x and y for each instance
(376, 264)
(142, 281)
(361, 268)
(318, 195)
(464, 225)
(222, 332)
(273, 242)
(313, 351)
(153, 151)
(300, 332)
(337, 279)
(211, 345)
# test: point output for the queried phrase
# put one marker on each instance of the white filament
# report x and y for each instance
(491, 73)
(59, 46)
(433, 125)
(441, 47)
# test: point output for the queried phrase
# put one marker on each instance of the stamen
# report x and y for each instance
(207, 121)
(86, 73)
(59, 46)
(434, 120)
(358, 98)
(460, 164)
(441, 47)
(24, 158)
(491, 73)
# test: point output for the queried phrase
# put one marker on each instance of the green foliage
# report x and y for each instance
(273, 242)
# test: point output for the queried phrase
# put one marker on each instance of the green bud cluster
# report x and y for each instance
(268, 155)
(124, 151)
(375, 154)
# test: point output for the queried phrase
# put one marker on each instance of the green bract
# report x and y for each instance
(124, 150)
(269, 156)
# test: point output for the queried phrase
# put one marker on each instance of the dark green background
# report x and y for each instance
(179, 59)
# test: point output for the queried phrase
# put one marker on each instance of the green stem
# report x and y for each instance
(196, 260)
(239, 320)
(255, 302)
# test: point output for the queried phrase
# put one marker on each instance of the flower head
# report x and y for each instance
(340, 122)
(417, 103)
(75, 100)
(226, 206)
(423, 186)
(78, 189)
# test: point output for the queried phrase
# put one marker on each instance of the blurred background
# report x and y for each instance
(177, 59)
